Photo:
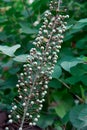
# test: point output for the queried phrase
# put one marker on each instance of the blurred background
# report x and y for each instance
(65, 107)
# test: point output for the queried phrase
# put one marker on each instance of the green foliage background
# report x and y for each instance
(66, 103)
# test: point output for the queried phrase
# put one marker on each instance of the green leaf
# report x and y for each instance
(21, 58)
(9, 50)
(14, 70)
(68, 62)
(25, 28)
(64, 101)
(9, 83)
(60, 110)
(82, 91)
(73, 80)
(65, 118)
(83, 115)
(46, 120)
(83, 20)
(75, 116)
(85, 59)
(82, 43)
(54, 83)
(84, 79)
(58, 128)
(57, 72)
(79, 70)
(84, 128)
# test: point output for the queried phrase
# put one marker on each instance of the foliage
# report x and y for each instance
(65, 106)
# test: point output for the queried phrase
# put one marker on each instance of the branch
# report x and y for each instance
(68, 87)
(59, 2)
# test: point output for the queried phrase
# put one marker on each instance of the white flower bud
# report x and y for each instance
(9, 116)
(20, 97)
(36, 119)
(10, 121)
(38, 116)
(6, 128)
(34, 123)
(17, 85)
(46, 86)
(30, 123)
(21, 74)
(27, 114)
(31, 116)
(42, 47)
(24, 104)
(18, 116)
(25, 90)
(32, 102)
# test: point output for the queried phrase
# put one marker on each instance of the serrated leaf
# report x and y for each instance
(9, 50)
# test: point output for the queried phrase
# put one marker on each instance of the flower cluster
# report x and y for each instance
(33, 82)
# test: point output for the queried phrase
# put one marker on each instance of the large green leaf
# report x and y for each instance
(63, 101)
(9, 50)
(77, 116)
(68, 62)
(79, 70)
(83, 115)
(73, 80)
(79, 25)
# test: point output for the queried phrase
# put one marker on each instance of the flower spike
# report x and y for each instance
(33, 82)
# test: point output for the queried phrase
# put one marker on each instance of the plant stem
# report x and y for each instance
(25, 110)
(79, 98)
(59, 4)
